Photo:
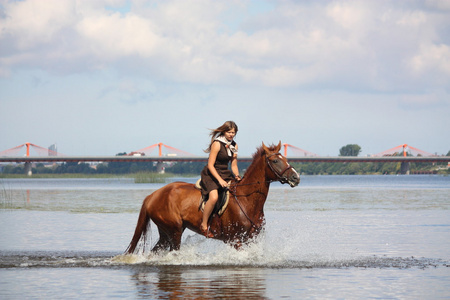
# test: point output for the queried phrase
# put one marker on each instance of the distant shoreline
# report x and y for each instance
(146, 177)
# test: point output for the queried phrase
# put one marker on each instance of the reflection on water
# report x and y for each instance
(168, 282)
(103, 283)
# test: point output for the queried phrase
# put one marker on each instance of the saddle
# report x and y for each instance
(222, 202)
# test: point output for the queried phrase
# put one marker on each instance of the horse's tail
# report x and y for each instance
(140, 231)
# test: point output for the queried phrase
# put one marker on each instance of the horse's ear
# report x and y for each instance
(266, 149)
(277, 149)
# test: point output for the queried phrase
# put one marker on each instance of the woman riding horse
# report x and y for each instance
(216, 175)
(174, 207)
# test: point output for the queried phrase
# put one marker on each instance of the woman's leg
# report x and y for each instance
(209, 206)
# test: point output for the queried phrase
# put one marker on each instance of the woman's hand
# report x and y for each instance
(223, 183)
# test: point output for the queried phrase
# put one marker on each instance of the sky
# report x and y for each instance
(108, 76)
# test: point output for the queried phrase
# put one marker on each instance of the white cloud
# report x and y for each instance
(33, 23)
(372, 45)
(438, 4)
(350, 15)
(433, 60)
(113, 36)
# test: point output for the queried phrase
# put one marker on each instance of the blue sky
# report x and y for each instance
(109, 76)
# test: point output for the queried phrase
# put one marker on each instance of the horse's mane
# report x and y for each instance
(257, 156)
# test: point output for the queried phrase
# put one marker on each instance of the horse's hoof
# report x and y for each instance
(206, 232)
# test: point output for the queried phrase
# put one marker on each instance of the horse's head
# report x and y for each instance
(279, 166)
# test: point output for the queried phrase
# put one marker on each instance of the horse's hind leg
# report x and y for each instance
(160, 245)
(163, 242)
(166, 241)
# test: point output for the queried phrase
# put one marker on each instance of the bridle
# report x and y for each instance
(278, 173)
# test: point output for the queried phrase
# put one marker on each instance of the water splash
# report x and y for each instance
(199, 252)
(207, 254)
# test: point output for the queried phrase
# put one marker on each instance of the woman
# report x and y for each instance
(215, 175)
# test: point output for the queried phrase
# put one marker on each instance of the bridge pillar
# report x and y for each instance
(160, 167)
(27, 169)
(404, 168)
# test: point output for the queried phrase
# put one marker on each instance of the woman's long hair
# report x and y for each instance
(227, 126)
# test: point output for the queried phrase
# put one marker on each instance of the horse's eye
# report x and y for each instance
(275, 161)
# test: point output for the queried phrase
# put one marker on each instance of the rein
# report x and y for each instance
(243, 211)
(233, 191)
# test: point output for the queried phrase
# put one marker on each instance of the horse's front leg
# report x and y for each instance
(246, 237)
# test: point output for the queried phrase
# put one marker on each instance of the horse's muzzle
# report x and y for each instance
(293, 178)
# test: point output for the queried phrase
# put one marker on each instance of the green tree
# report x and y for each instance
(13, 169)
(41, 169)
(350, 150)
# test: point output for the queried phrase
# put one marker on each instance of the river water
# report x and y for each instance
(332, 237)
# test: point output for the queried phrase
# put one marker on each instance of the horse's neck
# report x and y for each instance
(255, 185)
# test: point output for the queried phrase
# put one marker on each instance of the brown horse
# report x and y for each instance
(175, 207)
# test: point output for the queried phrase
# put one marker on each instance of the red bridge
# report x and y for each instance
(148, 150)
(402, 153)
(41, 151)
(404, 150)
